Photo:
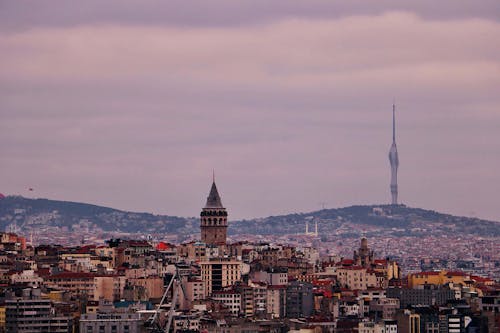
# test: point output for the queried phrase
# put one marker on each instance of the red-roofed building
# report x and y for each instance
(12, 242)
(162, 246)
(482, 280)
(346, 262)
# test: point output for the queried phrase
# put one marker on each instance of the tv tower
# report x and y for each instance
(394, 160)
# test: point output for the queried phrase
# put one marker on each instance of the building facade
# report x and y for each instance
(30, 314)
(220, 273)
(110, 323)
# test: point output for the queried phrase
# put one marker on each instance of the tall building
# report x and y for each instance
(219, 273)
(213, 219)
(32, 313)
(299, 299)
(394, 160)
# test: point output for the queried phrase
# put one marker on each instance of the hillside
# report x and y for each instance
(371, 219)
(41, 214)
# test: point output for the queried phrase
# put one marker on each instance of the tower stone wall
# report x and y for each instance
(213, 220)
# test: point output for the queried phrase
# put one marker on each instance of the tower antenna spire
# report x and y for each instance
(213, 175)
(393, 121)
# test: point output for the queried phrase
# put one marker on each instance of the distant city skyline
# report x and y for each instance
(132, 106)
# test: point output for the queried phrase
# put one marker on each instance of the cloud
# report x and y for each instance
(25, 14)
(290, 112)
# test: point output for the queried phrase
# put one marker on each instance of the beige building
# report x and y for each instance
(195, 292)
(370, 327)
(386, 326)
(220, 273)
(153, 286)
(105, 251)
(76, 262)
(89, 285)
(357, 278)
(194, 251)
(231, 299)
(109, 288)
(97, 262)
(27, 277)
(254, 299)
(78, 284)
(276, 301)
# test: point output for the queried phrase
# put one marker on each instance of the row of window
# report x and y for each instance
(102, 329)
(213, 221)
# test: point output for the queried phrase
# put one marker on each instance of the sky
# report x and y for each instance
(133, 104)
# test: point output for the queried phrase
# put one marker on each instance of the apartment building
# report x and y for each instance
(30, 313)
(219, 273)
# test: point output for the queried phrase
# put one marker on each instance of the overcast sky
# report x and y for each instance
(132, 104)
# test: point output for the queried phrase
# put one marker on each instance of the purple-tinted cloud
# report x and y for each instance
(26, 14)
(291, 110)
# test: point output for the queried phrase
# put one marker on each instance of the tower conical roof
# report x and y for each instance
(213, 200)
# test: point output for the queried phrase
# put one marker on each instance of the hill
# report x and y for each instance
(41, 214)
(399, 220)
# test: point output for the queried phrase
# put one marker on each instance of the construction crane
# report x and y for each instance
(154, 323)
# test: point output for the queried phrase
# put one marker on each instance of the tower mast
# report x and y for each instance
(394, 160)
(393, 123)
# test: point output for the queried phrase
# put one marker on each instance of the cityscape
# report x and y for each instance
(352, 148)
(311, 281)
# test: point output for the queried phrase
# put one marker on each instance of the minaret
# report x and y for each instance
(213, 219)
(394, 160)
